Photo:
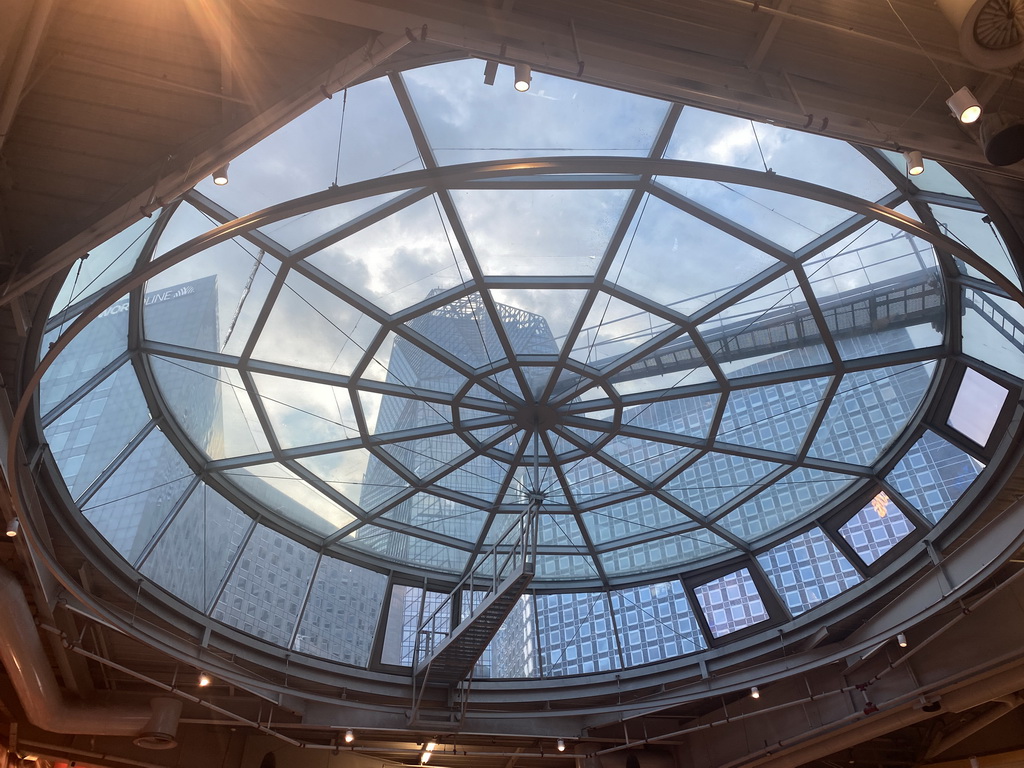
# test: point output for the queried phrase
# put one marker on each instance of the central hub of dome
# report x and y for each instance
(537, 416)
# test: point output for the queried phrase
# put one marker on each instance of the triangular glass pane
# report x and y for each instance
(614, 328)
(305, 413)
(712, 137)
(399, 260)
(667, 552)
(86, 437)
(260, 598)
(556, 308)
(334, 334)
(591, 479)
(648, 458)
(715, 479)
(377, 483)
(297, 231)
(569, 229)
(443, 516)
(776, 417)
(482, 478)
(85, 355)
(453, 104)
(559, 531)
(789, 220)
(347, 472)
(463, 329)
(132, 503)
(212, 406)
(933, 474)
(682, 262)
(795, 495)
(690, 416)
(193, 555)
(770, 330)
(636, 517)
(187, 223)
(280, 490)
(214, 312)
(869, 410)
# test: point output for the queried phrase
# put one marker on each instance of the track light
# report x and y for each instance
(902, 640)
(204, 680)
(349, 736)
(523, 77)
(424, 757)
(964, 106)
(220, 176)
(13, 527)
(561, 745)
(431, 745)
(754, 693)
(915, 162)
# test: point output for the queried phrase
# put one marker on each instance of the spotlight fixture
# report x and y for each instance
(349, 736)
(220, 176)
(424, 757)
(964, 106)
(523, 77)
(754, 693)
(204, 679)
(915, 162)
(974, 762)
(902, 640)
(561, 745)
(13, 527)
(431, 746)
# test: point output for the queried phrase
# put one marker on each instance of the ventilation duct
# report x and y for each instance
(991, 32)
(1002, 138)
(29, 669)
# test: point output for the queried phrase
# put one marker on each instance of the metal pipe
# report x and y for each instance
(29, 670)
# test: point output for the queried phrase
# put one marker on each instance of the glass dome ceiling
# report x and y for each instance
(702, 348)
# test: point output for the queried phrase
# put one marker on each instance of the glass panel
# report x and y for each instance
(935, 179)
(975, 230)
(796, 494)
(614, 328)
(731, 603)
(869, 410)
(215, 312)
(680, 261)
(406, 609)
(304, 413)
(107, 262)
(186, 223)
(264, 595)
(443, 516)
(468, 121)
(212, 406)
(665, 553)
(513, 652)
(132, 503)
(993, 330)
(775, 418)
(398, 261)
(281, 490)
(97, 345)
(717, 478)
(341, 614)
(494, 222)
(192, 557)
(566, 567)
(556, 308)
(872, 534)
(88, 435)
(647, 458)
(656, 622)
(933, 475)
(676, 416)
(359, 476)
(590, 479)
(576, 634)
(976, 407)
(808, 570)
(636, 517)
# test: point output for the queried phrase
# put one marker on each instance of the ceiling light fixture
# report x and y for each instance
(915, 162)
(964, 106)
(220, 176)
(13, 527)
(349, 736)
(424, 757)
(204, 680)
(754, 693)
(561, 745)
(902, 640)
(431, 745)
(523, 77)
